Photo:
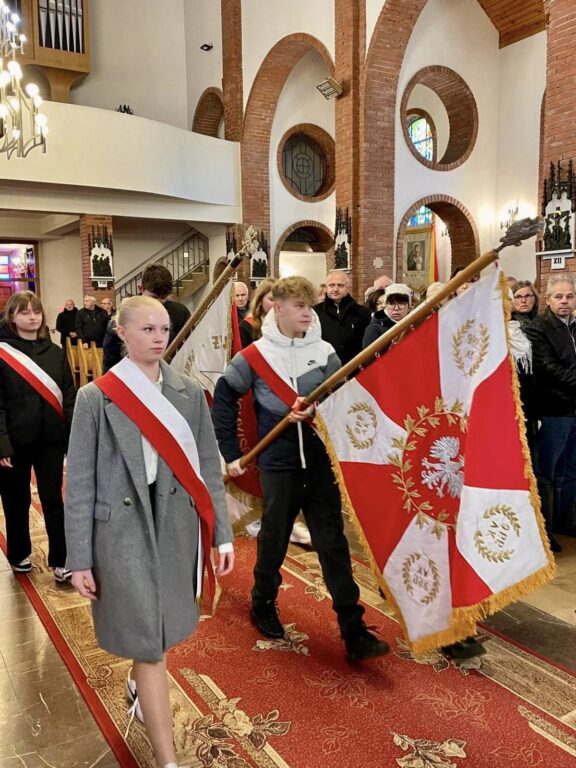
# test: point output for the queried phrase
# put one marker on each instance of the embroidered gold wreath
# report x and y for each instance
(492, 555)
(427, 420)
(356, 409)
(480, 341)
(407, 573)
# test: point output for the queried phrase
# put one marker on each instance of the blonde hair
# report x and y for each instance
(17, 303)
(294, 288)
(256, 306)
(132, 304)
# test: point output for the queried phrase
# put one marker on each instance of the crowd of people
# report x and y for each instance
(145, 499)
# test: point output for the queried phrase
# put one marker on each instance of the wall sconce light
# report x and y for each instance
(511, 217)
(330, 88)
(445, 232)
(206, 47)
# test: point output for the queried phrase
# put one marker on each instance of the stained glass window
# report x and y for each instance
(420, 135)
(422, 218)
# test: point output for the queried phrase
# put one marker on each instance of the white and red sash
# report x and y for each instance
(262, 367)
(33, 375)
(171, 437)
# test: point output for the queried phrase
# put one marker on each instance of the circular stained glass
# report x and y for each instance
(304, 164)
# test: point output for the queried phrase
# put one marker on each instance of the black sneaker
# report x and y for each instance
(24, 566)
(555, 545)
(465, 649)
(265, 617)
(364, 645)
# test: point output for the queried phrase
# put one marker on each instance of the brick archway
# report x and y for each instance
(209, 112)
(378, 124)
(461, 227)
(325, 238)
(260, 110)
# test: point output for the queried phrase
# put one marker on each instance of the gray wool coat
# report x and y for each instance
(144, 566)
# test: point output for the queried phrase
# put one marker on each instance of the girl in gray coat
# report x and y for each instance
(134, 531)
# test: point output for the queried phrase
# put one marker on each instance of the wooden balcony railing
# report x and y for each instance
(58, 35)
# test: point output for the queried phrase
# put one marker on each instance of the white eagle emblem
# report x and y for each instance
(446, 473)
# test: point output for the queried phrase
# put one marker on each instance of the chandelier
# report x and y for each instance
(22, 126)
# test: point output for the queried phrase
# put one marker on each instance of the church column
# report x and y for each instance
(96, 243)
(350, 39)
(559, 112)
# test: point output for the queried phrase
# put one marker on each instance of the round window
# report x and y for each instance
(304, 165)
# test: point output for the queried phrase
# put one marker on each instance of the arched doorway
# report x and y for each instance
(457, 240)
(306, 249)
(209, 113)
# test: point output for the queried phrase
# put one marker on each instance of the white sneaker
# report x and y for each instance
(24, 566)
(253, 529)
(132, 696)
(300, 534)
(62, 575)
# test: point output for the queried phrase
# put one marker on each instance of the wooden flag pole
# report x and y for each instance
(248, 246)
(515, 234)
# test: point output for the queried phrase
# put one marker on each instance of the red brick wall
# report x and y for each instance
(87, 222)
(377, 136)
(232, 83)
(209, 112)
(260, 110)
(350, 38)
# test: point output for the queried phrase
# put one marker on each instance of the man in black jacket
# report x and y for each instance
(342, 319)
(91, 322)
(553, 337)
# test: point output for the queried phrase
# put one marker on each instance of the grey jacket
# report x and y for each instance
(144, 566)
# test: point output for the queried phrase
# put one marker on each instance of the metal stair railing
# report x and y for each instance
(187, 254)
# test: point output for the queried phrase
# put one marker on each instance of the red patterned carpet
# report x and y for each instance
(241, 701)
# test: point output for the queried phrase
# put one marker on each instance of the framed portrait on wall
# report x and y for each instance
(416, 254)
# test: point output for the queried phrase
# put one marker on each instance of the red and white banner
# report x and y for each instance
(206, 352)
(34, 375)
(428, 446)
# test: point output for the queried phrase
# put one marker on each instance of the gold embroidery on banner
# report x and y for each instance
(494, 537)
(469, 347)
(418, 428)
(421, 578)
(362, 431)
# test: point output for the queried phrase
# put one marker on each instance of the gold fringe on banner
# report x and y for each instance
(463, 621)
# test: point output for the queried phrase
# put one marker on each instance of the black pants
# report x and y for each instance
(48, 461)
(315, 492)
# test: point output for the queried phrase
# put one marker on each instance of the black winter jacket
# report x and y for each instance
(26, 419)
(91, 325)
(66, 323)
(343, 325)
(554, 364)
(379, 324)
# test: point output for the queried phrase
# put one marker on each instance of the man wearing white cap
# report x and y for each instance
(392, 307)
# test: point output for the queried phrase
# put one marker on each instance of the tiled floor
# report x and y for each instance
(44, 722)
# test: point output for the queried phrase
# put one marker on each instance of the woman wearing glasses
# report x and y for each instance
(524, 310)
(390, 308)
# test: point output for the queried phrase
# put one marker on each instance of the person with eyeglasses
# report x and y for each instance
(392, 306)
(524, 310)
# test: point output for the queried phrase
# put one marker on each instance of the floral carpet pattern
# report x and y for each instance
(242, 701)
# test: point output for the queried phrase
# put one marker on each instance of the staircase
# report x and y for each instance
(186, 258)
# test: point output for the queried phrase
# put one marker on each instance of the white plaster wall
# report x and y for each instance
(299, 102)
(310, 265)
(522, 85)
(60, 276)
(459, 35)
(425, 98)
(202, 24)
(137, 57)
(373, 9)
(265, 22)
(136, 240)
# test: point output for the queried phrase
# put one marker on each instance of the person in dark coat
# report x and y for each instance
(132, 527)
(91, 322)
(66, 323)
(158, 283)
(391, 307)
(553, 337)
(342, 319)
(33, 433)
